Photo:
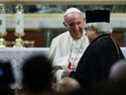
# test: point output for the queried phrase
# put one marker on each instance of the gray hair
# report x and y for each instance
(73, 10)
(101, 27)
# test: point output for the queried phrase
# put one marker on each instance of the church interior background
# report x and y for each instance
(33, 23)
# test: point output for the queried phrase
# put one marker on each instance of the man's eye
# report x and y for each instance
(70, 24)
(78, 23)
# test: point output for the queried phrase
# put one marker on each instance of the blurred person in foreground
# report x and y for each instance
(67, 48)
(118, 71)
(37, 76)
(68, 86)
(117, 78)
(101, 54)
(6, 78)
(116, 83)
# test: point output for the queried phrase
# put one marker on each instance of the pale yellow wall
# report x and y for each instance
(55, 20)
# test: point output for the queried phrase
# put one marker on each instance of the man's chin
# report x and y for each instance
(77, 37)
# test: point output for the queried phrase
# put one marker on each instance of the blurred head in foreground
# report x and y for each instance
(37, 74)
(6, 78)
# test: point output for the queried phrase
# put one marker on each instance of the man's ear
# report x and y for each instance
(66, 25)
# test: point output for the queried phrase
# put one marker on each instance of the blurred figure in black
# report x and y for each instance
(37, 76)
(6, 78)
(101, 54)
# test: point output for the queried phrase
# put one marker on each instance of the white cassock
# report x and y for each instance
(65, 50)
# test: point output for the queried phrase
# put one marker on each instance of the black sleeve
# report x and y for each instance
(85, 69)
(96, 62)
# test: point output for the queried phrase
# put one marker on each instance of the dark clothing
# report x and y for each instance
(96, 61)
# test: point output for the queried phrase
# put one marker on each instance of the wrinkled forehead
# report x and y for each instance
(72, 16)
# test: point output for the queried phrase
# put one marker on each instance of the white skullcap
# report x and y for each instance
(72, 10)
(101, 26)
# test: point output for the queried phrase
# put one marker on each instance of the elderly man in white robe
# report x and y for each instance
(67, 48)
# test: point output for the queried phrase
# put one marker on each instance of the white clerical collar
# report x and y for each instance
(77, 45)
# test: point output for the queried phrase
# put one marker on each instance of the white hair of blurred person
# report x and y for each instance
(118, 71)
(67, 85)
(100, 27)
(93, 30)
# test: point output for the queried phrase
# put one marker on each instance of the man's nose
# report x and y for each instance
(76, 27)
